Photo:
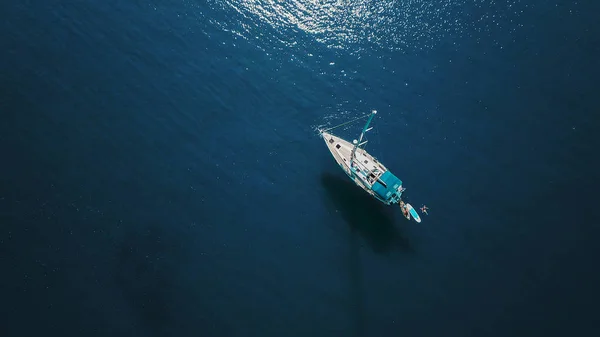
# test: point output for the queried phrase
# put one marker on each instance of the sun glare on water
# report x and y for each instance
(354, 24)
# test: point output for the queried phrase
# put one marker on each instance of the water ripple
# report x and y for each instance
(353, 24)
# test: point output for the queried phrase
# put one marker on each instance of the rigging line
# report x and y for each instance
(352, 121)
(378, 140)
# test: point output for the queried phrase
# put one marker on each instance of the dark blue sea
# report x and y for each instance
(162, 175)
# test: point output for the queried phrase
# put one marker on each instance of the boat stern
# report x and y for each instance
(388, 187)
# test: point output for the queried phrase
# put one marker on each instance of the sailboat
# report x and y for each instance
(365, 170)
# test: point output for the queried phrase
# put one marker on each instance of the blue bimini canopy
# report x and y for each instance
(389, 187)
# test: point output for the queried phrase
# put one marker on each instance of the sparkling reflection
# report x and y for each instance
(354, 24)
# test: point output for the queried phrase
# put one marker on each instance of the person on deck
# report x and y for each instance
(404, 209)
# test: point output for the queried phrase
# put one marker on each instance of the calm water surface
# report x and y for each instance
(162, 175)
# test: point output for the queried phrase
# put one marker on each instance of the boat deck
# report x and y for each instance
(364, 169)
(365, 164)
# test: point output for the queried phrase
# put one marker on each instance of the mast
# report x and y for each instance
(362, 134)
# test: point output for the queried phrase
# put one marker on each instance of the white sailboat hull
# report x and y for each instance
(366, 168)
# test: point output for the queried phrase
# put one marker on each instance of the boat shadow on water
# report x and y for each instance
(365, 215)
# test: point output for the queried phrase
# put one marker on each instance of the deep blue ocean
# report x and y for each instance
(161, 173)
